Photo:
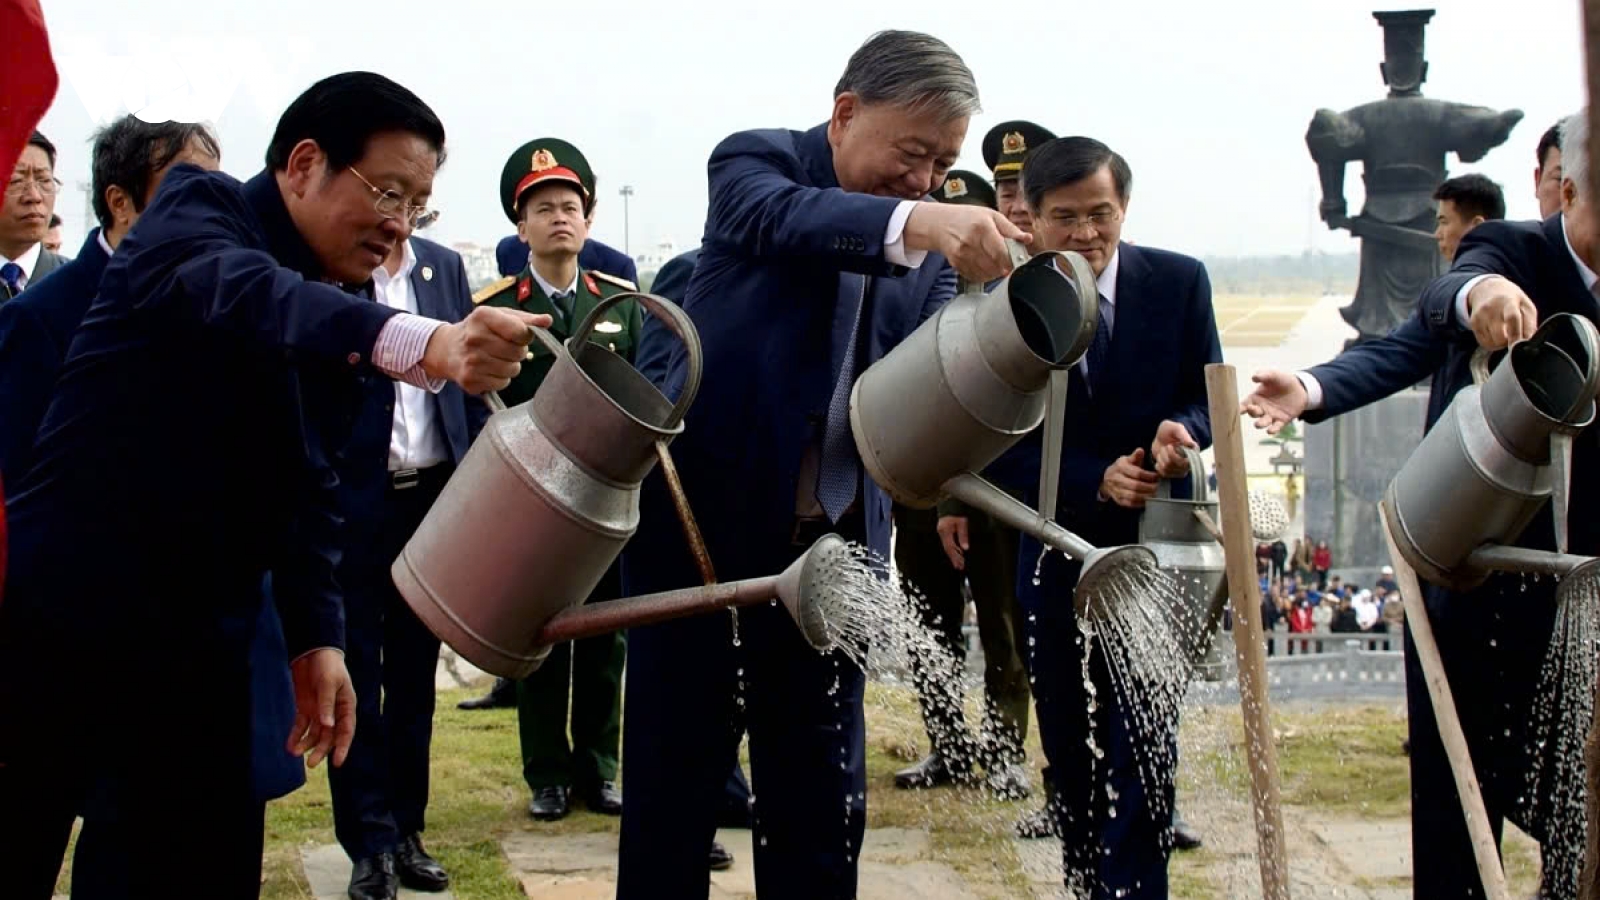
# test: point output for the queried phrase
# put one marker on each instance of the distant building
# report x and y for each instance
(479, 262)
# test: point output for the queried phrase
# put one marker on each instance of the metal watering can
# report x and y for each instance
(969, 383)
(1500, 451)
(1184, 545)
(544, 500)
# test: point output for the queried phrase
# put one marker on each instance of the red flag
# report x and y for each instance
(28, 79)
(28, 83)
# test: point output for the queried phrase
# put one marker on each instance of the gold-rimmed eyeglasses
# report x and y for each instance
(390, 205)
(1096, 222)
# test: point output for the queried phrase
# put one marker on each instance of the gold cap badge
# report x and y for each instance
(954, 187)
(543, 159)
(1013, 143)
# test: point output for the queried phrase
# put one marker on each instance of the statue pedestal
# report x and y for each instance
(1350, 461)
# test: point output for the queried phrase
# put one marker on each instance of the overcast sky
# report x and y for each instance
(1208, 101)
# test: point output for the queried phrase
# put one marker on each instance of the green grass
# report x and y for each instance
(1336, 760)
(1340, 760)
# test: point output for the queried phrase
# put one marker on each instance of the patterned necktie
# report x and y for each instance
(1099, 347)
(11, 275)
(839, 474)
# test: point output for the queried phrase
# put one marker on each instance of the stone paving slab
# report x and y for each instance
(454, 672)
(894, 866)
(1376, 849)
(328, 872)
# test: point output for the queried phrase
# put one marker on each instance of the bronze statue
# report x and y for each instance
(1401, 141)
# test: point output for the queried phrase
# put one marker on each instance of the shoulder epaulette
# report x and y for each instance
(494, 287)
(623, 283)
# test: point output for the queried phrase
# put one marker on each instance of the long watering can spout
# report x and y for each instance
(808, 588)
(1099, 564)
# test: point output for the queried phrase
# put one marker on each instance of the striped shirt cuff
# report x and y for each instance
(398, 352)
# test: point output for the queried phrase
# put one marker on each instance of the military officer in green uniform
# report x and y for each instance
(547, 188)
(989, 565)
(1004, 148)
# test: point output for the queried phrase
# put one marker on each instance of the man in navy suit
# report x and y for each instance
(186, 448)
(402, 447)
(1134, 402)
(817, 258)
(1507, 276)
(130, 157)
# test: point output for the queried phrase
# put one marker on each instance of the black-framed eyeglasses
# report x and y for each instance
(390, 205)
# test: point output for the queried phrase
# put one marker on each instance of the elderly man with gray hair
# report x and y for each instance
(819, 256)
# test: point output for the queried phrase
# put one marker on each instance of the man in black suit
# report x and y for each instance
(30, 201)
(1134, 402)
(188, 448)
(402, 447)
(1507, 276)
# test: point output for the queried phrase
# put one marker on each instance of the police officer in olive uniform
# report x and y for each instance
(989, 566)
(548, 189)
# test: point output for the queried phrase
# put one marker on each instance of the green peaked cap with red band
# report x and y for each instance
(539, 162)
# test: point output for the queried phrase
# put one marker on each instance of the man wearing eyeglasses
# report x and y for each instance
(195, 444)
(30, 201)
(1134, 403)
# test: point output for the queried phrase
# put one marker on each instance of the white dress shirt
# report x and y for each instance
(27, 261)
(416, 441)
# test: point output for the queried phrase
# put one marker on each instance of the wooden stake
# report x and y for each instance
(1587, 881)
(1484, 848)
(1244, 593)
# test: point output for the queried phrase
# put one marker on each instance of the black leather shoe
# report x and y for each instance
(417, 870)
(931, 772)
(501, 696)
(604, 798)
(1009, 781)
(549, 804)
(373, 878)
(1184, 837)
(721, 859)
(1037, 824)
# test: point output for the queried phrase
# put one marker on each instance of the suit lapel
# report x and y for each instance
(1122, 359)
(424, 281)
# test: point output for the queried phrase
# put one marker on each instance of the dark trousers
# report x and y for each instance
(132, 857)
(381, 792)
(991, 565)
(37, 808)
(1122, 855)
(686, 711)
(1492, 643)
(590, 672)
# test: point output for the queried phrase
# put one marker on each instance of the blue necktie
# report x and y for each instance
(839, 474)
(11, 274)
(1099, 347)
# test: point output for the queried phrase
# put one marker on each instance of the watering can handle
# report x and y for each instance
(492, 398)
(677, 322)
(1480, 365)
(1198, 489)
(1019, 253)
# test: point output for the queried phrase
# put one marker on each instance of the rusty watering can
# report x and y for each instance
(1501, 450)
(544, 500)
